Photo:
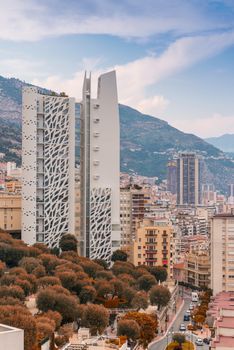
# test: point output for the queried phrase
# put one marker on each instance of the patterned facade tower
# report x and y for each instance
(100, 193)
(48, 158)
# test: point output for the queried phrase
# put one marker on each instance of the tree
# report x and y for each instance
(87, 294)
(95, 317)
(67, 278)
(47, 281)
(148, 326)
(140, 301)
(29, 264)
(160, 296)
(179, 338)
(2, 268)
(102, 263)
(159, 272)
(119, 255)
(145, 282)
(104, 275)
(66, 305)
(20, 317)
(129, 328)
(122, 267)
(68, 242)
(104, 288)
(91, 268)
(12, 291)
(50, 262)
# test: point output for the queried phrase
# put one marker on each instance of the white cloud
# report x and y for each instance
(32, 20)
(21, 68)
(137, 77)
(153, 105)
(215, 125)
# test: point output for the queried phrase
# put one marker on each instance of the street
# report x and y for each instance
(174, 327)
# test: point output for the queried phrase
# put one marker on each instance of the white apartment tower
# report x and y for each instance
(48, 166)
(100, 169)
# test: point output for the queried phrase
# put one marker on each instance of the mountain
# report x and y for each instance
(224, 142)
(147, 143)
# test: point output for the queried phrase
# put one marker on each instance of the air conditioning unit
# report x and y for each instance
(96, 162)
(96, 148)
(96, 134)
(96, 177)
(96, 120)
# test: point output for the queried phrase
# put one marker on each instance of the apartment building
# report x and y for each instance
(153, 244)
(222, 253)
(100, 169)
(10, 212)
(48, 166)
(11, 338)
(197, 268)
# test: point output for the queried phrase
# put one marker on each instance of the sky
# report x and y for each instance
(174, 59)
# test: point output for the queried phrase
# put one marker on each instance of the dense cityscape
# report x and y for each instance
(116, 228)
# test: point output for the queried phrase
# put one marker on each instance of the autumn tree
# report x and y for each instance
(119, 255)
(140, 301)
(29, 264)
(87, 294)
(148, 326)
(50, 262)
(104, 288)
(47, 281)
(145, 282)
(20, 317)
(129, 328)
(159, 272)
(179, 338)
(68, 242)
(95, 317)
(66, 305)
(2, 268)
(160, 296)
(67, 278)
(12, 291)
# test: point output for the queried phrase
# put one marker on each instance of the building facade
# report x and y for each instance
(48, 166)
(188, 179)
(10, 212)
(172, 177)
(222, 253)
(100, 169)
(153, 244)
(197, 268)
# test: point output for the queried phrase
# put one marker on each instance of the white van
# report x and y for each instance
(195, 296)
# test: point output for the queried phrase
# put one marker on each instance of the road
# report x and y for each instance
(161, 344)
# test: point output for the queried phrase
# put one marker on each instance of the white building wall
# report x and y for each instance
(100, 168)
(48, 167)
(11, 338)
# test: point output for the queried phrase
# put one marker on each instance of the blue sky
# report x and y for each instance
(174, 58)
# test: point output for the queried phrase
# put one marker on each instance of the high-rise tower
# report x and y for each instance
(100, 162)
(188, 179)
(48, 165)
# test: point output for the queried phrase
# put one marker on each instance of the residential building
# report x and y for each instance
(153, 244)
(100, 169)
(197, 268)
(188, 179)
(10, 213)
(222, 253)
(231, 193)
(172, 176)
(48, 158)
(220, 318)
(11, 338)
(126, 220)
(208, 194)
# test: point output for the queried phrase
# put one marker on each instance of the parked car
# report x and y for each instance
(199, 342)
(206, 341)
(188, 312)
(191, 307)
(182, 328)
(186, 317)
